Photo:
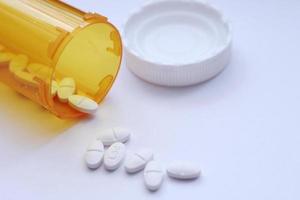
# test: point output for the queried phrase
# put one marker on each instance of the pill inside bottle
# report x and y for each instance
(44, 42)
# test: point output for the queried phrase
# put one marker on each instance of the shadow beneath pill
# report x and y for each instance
(90, 170)
(139, 173)
(155, 192)
(106, 171)
(185, 181)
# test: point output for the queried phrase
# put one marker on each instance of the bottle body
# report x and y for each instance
(56, 41)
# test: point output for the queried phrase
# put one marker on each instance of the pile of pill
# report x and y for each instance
(65, 90)
(143, 159)
(25, 73)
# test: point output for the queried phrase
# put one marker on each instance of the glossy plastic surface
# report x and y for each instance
(60, 41)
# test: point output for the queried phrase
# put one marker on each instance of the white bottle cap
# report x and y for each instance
(177, 42)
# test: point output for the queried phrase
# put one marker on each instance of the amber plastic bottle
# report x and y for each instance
(64, 42)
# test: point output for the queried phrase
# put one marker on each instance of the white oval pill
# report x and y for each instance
(83, 104)
(39, 70)
(34, 67)
(66, 89)
(114, 156)
(18, 63)
(137, 161)
(94, 154)
(153, 175)
(113, 135)
(183, 170)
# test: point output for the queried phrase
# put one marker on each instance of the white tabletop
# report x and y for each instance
(242, 127)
